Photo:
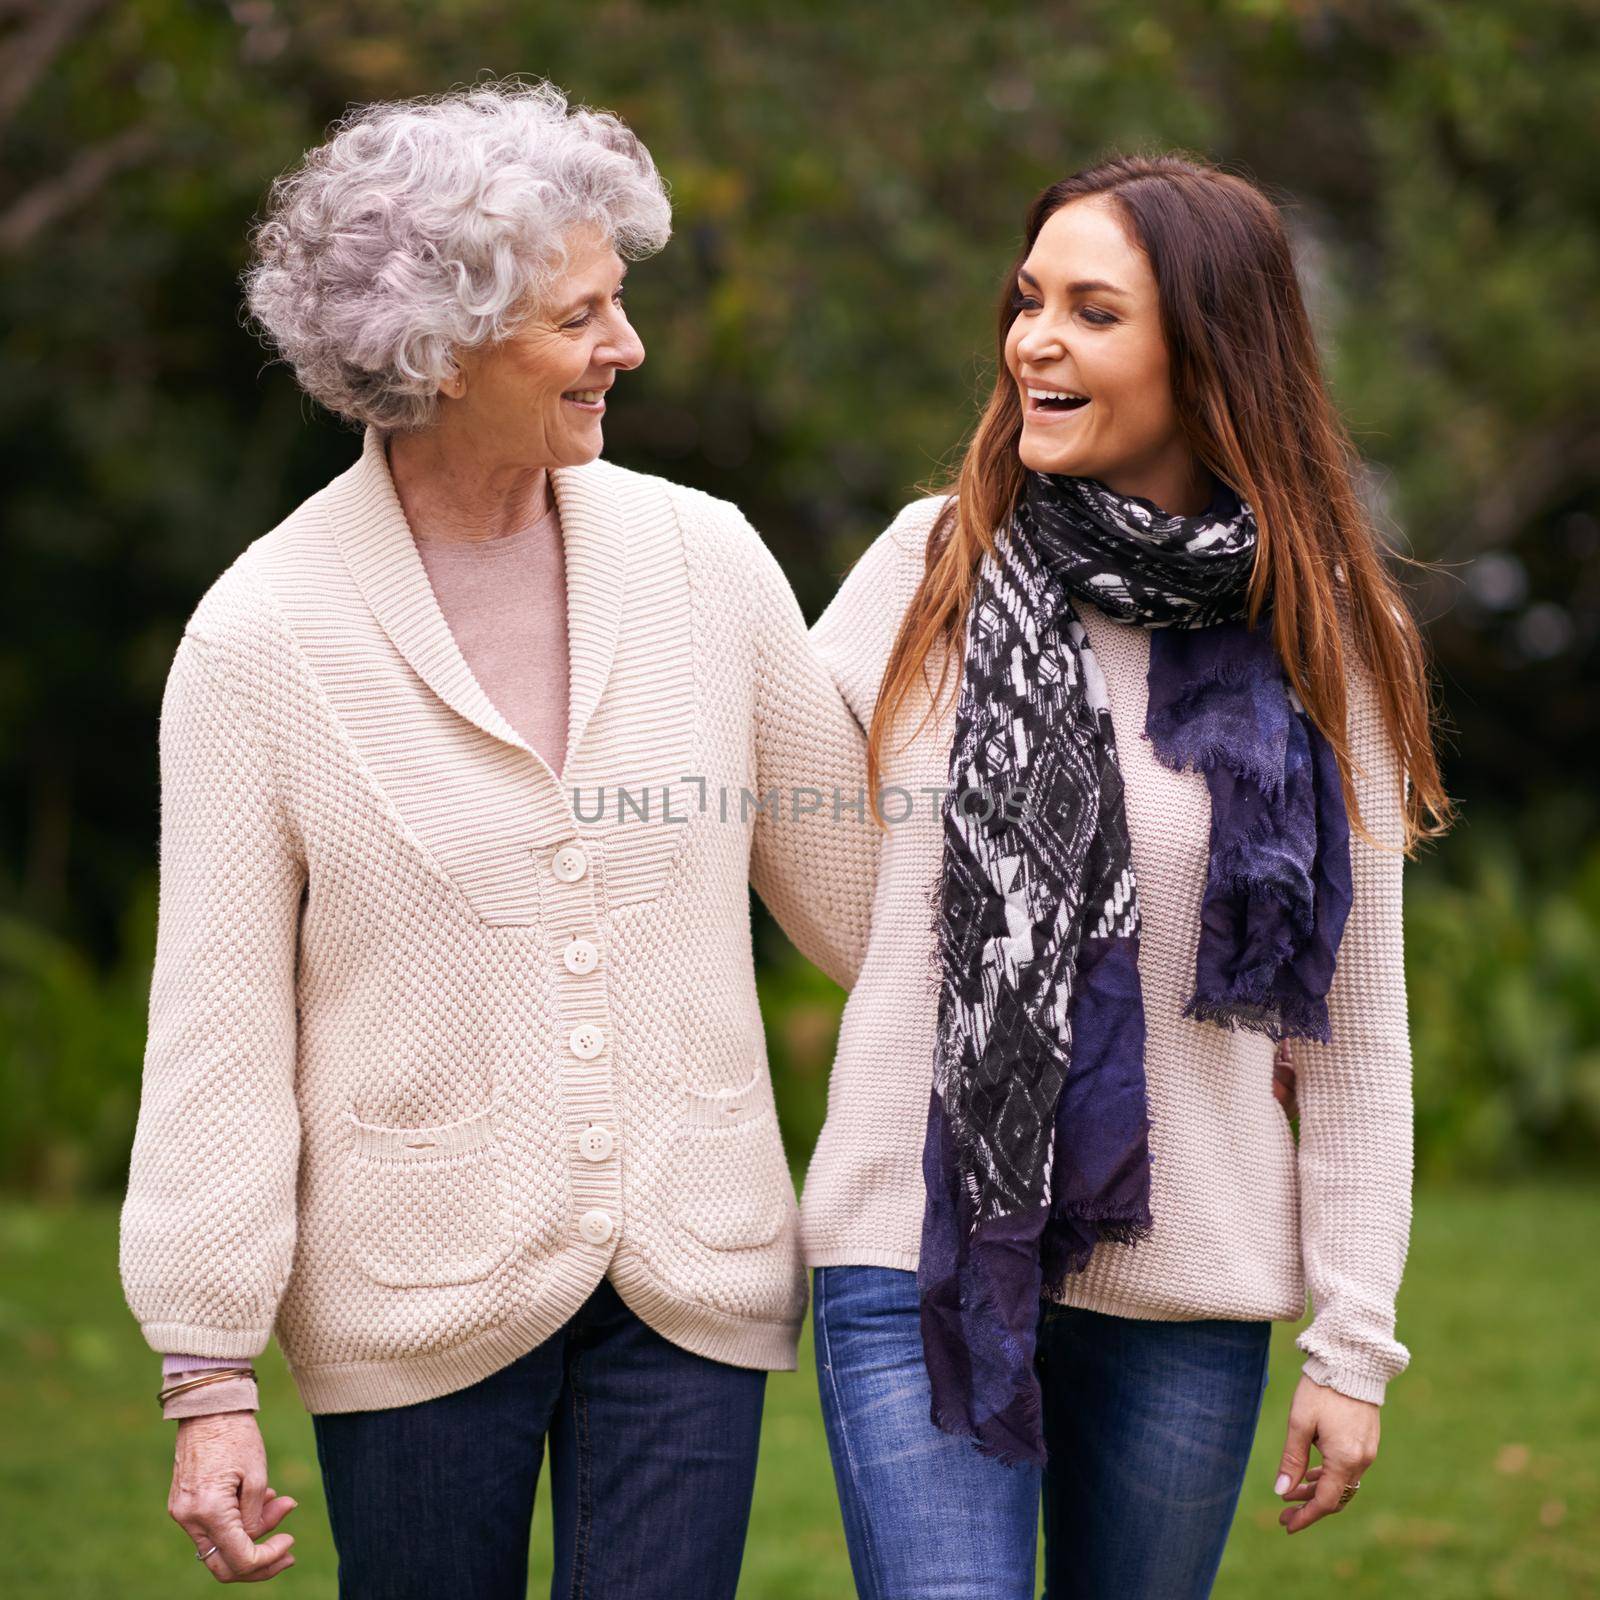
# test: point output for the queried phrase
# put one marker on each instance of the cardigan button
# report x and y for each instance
(570, 863)
(595, 1226)
(581, 956)
(595, 1143)
(586, 1040)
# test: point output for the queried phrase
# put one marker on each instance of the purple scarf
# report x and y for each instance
(1037, 1145)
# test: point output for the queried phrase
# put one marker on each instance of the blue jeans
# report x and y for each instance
(924, 1514)
(1148, 1426)
(652, 1461)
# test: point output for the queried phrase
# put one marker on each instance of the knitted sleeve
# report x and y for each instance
(208, 1221)
(814, 854)
(1355, 1100)
(855, 633)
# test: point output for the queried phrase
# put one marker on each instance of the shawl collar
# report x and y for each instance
(370, 527)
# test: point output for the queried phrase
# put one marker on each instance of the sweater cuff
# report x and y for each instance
(219, 1346)
(1357, 1385)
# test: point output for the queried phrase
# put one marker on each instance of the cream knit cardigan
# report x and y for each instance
(431, 1052)
(1245, 1221)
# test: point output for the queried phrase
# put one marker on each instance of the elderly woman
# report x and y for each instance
(456, 1080)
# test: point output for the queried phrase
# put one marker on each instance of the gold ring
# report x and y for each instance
(1348, 1493)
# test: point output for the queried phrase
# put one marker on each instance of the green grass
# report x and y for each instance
(1487, 1487)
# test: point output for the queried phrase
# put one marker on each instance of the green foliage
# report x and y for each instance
(1502, 976)
(71, 1048)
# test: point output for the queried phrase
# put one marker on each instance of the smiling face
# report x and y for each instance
(539, 397)
(1088, 356)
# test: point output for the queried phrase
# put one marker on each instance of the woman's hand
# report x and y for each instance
(1345, 1431)
(220, 1496)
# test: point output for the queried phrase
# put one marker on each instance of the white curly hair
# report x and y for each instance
(431, 225)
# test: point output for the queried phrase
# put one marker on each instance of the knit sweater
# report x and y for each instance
(439, 1039)
(1246, 1219)
(504, 600)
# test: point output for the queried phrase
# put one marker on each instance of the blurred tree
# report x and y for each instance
(849, 181)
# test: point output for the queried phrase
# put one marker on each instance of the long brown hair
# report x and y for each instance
(1247, 383)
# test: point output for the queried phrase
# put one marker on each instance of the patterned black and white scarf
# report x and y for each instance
(1037, 1145)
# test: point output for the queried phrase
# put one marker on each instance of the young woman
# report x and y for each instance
(1156, 828)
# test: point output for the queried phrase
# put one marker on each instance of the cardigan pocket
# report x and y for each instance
(730, 1177)
(430, 1205)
